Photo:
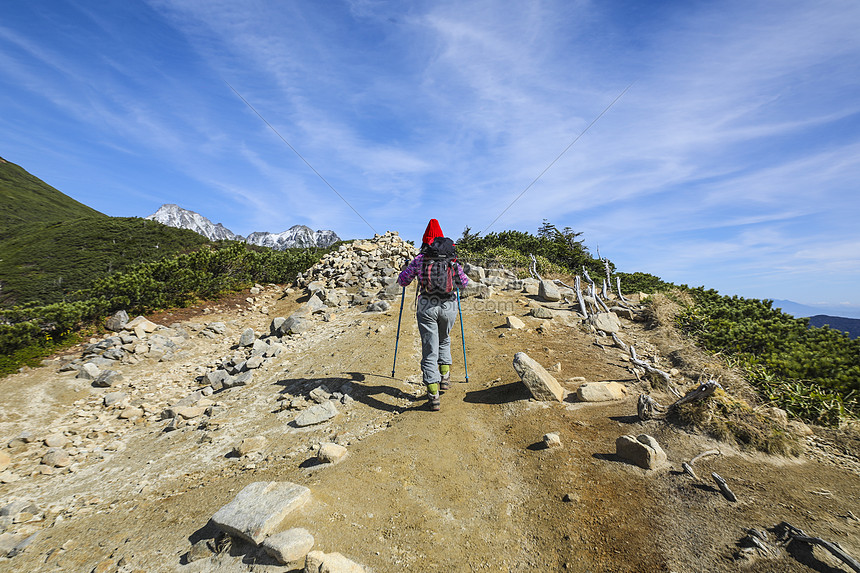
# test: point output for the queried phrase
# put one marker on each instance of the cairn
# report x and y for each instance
(360, 271)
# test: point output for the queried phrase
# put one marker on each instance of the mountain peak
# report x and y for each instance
(296, 236)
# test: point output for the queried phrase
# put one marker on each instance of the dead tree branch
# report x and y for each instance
(795, 534)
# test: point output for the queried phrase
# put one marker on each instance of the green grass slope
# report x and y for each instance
(26, 199)
(46, 262)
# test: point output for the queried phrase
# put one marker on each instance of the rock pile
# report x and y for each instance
(133, 341)
(358, 271)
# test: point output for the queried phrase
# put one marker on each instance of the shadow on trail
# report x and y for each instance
(502, 394)
(355, 385)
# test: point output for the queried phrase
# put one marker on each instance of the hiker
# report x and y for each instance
(439, 277)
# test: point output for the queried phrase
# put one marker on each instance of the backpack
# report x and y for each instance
(438, 271)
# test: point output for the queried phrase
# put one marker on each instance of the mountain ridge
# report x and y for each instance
(297, 236)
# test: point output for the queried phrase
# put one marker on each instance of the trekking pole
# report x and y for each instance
(397, 340)
(463, 337)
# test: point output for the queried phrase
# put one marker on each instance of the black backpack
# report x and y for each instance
(439, 274)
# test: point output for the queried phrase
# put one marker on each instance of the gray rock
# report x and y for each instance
(118, 321)
(240, 379)
(107, 379)
(259, 509)
(88, 371)
(548, 291)
(642, 450)
(57, 458)
(319, 562)
(249, 445)
(289, 546)
(378, 306)
(608, 322)
(320, 394)
(316, 414)
(113, 398)
(540, 383)
(216, 378)
(254, 362)
(331, 453)
(541, 312)
(552, 440)
(474, 272)
(247, 338)
(514, 322)
(217, 327)
(601, 392)
(57, 440)
(275, 326)
(259, 347)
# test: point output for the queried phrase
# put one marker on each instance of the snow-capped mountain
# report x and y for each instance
(296, 236)
(175, 216)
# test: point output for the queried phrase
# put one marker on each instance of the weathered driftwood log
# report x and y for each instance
(724, 487)
(648, 368)
(533, 268)
(648, 408)
(619, 343)
(579, 297)
(607, 287)
(688, 469)
(703, 391)
(597, 299)
(705, 454)
(794, 534)
(618, 290)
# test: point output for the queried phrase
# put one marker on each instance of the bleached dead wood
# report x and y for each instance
(533, 268)
(795, 534)
(648, 408)
(607, 287)
(619, 343)
(724, 487)
(703, 391)
(579, 297)
(648, 368)
(705, 454)
(618, 290)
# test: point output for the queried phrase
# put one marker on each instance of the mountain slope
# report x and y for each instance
(46, 262)
(26, 199)
(851, 326)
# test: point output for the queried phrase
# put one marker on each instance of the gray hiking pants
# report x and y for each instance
(435, 319)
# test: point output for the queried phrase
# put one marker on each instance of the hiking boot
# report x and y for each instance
(445, 382)
(434, 402)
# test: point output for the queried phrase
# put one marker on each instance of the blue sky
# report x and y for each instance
(733, 161)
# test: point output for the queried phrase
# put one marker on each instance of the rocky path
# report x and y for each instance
(470, 488)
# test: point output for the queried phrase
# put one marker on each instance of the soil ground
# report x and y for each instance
(469, 488)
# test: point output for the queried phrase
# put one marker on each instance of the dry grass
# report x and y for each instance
(729, 415)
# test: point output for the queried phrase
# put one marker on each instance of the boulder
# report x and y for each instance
(249, 445)
(143, 323)
(552, 440)
(331, 453)
(541, 312)
(57, 440)
(57, 457)
(319, 562)
(316, 414)
(601, 392)
(608, 322)
(378, 306)
(289, 546)
(540, 383)
(107, 379)
(88, 371)
(259, 509)
(548, 291)
(515, 323)
(642, 450)
(117, 322)
(248, 337)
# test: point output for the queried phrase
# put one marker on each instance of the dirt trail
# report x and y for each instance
(466, 489)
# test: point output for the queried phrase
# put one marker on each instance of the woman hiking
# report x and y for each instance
(439, 278)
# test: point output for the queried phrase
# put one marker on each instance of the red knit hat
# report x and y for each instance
(433, 230)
